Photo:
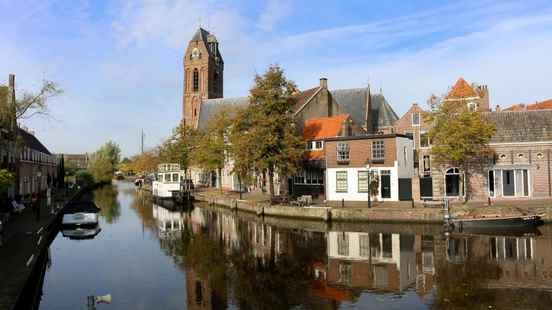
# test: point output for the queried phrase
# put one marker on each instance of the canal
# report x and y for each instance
(148, 257)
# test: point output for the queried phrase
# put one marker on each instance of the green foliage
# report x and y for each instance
(460, 138)
(265, 133)
(84, 179)
(6, 181)
(104, 161)
(178, 147)
(212, 147)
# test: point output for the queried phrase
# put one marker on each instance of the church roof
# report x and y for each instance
(521, 126)
(461, 90)
(210, 107)
(353, 102)
(200, 35)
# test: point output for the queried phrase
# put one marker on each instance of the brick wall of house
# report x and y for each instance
(361, 151)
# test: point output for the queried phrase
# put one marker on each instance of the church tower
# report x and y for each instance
(203, 74)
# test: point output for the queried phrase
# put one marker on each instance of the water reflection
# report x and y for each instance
(228, 260)
(106, 199)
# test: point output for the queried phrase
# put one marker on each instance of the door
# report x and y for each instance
(385, 185)
(426, 187)
(508, 187)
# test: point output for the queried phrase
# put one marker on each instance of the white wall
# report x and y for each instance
(352, 193)
(405, 167)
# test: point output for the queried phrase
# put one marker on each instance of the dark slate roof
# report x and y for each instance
(521, 126)
(210, 107)
(32, 142)
(205, 36)
(353, 102)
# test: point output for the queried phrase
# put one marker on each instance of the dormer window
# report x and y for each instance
(472, 106)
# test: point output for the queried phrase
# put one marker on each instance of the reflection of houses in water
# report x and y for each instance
(381, 261)
(523, 261)
(167, 221)
(201, 294)
(425, 263)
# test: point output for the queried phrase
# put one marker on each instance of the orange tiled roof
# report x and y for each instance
(323, 127)
(303, 96)
(543, 105)
(461, 90)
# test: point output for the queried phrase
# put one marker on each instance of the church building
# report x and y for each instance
(203, 98)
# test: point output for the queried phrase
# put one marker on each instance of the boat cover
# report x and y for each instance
(81, 206)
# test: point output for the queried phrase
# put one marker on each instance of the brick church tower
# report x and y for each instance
(203, 74)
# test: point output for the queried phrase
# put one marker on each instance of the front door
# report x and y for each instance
(508, 188)
(385, 186)
(426, 187)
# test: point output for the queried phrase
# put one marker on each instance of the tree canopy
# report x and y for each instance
(459, 138)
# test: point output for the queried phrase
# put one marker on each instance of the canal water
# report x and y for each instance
(148, 257)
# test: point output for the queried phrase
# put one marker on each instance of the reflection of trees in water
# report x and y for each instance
(265, 279)
(106, 199)
(142, 204)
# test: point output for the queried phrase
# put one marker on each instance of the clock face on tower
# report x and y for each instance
(195, 53)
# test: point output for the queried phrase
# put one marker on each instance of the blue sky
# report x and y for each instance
(120, 62)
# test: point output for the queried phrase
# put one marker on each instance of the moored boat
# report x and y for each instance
(497, 221)
(80, 214)
(170, 187)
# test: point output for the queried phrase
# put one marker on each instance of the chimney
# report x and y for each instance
(12, 81)
(497, 108)
(323, 82)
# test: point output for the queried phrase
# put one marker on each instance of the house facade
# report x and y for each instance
(351, 161)
(519, 170)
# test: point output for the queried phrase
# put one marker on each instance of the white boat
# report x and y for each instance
(81, 232)
(80, 214)
(170, 183)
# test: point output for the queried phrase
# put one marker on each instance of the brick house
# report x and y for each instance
(522, 143)
(37, 167)
(310, 179)
(350, 159)
(203, 99)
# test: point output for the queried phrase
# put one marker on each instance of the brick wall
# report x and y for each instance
(360, 151)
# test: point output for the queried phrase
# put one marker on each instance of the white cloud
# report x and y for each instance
(274, 12)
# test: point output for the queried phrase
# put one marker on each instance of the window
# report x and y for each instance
(175, 177)
(196, 80)
(415, 118)
(318, 145)
(363, 181)
(364, 245)
(315, 177)
(378, 150)
(167, 177)
(342, 151)
(427, 163)
(343, 244)
(424, 139)
(308, 147)
(341, 181)
(472, 106)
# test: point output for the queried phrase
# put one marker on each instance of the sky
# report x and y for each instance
(119, 62)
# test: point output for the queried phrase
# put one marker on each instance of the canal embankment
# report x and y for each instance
(393, 212)
(26, 239)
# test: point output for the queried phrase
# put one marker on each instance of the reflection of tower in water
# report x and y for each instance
(201, 294)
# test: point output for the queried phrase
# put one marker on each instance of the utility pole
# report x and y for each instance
(142, 141)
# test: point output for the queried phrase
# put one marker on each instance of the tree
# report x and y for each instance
(112, 152)
(273, 144)
(241, 152)
(146, 162)
(6, 181)
(104, 161)
(212, 148)
(178, 147)
(460, 138)
(32, 104)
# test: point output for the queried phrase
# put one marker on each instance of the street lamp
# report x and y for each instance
(368, 185)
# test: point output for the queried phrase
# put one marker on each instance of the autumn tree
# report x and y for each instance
(212, 148)
(270, 130)
(240, 147)
(178, 147)
(460, 138)
(146, 162)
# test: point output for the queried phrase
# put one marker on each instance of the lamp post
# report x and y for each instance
(368, 185)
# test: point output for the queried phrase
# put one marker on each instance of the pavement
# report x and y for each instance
(24, 239)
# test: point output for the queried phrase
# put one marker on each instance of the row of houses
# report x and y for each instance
(35, 168)
(353, 135)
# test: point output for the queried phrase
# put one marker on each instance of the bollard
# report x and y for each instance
(342, 202)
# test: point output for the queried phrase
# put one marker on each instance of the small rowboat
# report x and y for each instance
(497, 221)
(80, 214)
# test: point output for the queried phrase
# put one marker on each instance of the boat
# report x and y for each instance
(494, 222)
(80, 214)
(170, 186)
(79, 233)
